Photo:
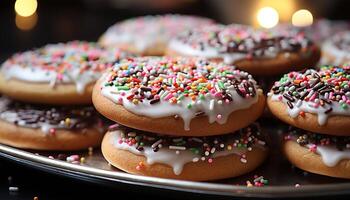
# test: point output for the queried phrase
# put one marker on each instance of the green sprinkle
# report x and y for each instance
(189, 106)
(123, 87)
(221, 85)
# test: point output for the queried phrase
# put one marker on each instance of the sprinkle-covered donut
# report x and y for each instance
(259, 52)
(336, 50)
(188, 158)
(318, 153)
(178, 96)
(317, 101)
(149, 35)
(61, 73)
(48, 128)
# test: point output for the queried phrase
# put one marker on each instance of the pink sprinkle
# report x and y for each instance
(210, 160)
(138, 167)
(75, 157)
(313, 148)
(218, 95)
(169, 96)
(313, 97)
(219, 116)
(59, 76)
(120, 100)
(280, 98)
(120, 141)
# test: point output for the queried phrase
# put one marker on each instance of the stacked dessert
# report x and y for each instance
(181, 118)
(48, 95)
(316, 105)
(149, 35)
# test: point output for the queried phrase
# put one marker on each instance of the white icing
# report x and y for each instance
(339, 56)
(165, 109)
(145, 32)
(309, 107)
(27, 66)
(331, 156)
(168, 156)
(40, 75)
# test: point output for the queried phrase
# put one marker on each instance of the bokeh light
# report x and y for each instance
(26, 23)
(302, 18)
(267, 17)
(26, 8)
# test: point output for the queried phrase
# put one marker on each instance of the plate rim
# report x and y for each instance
(24, 156)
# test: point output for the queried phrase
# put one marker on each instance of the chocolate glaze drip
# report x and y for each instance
(304, 137)
(38, 116)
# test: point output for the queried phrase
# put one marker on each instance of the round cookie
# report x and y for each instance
(186, 158)
(60, 74)
(48, 128)
(318, 153)
(317, 101)
(178, 96)
(259, 52)
(335, 50)
(149, 35)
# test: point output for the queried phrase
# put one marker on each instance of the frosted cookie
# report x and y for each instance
(149, 35)
(318, 153)
(48, 128)
(187, 158)
(61, 73)
(178, 96)
(317, 101)
(259, 52)
(336, 50)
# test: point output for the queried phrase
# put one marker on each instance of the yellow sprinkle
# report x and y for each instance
(135, 101)
(229, 147)
(67, 121)
(82, 159)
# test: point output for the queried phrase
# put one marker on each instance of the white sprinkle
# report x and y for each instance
(196, 159)
(177, 147)
(13, 189)
(211, 104)
(156, 143)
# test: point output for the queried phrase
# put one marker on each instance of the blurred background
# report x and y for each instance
(32, 23)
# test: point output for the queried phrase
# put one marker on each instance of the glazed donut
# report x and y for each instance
(149, 35)
(186, 158)
(61, 73)
(48, 128)
(335, 50)
(317, 101)
(318, 153)
(178, 96)
(259, 52)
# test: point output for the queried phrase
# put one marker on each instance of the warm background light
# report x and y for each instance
(285, 8)
(302, 18)
(26, 8)
(26, 23)
(267, 17)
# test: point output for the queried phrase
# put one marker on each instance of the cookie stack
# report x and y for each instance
(48, 92)
(181, 118)
(316, 105)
